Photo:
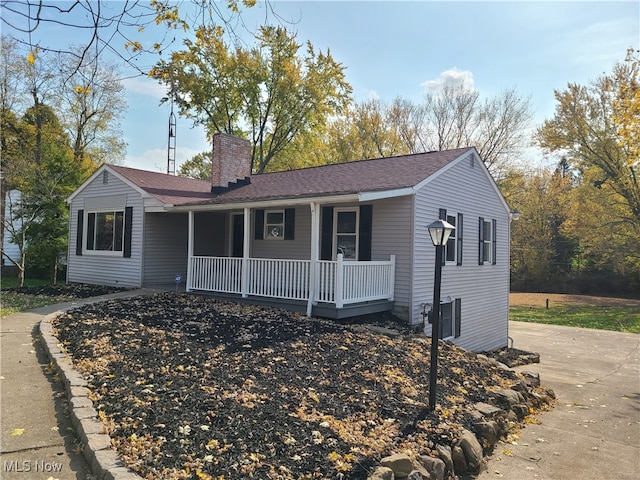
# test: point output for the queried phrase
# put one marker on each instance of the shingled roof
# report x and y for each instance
(376, 175)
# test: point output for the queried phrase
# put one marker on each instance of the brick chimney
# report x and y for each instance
(231, 162)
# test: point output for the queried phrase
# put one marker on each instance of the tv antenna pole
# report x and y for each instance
(171, 144)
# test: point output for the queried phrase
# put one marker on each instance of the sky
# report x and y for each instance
(407, 49)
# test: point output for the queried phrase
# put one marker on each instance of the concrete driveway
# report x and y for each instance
(594, 430)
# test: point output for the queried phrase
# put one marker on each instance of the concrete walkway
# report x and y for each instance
(37, 438)
(594, 430)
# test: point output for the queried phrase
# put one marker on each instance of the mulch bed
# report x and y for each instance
(191, 387)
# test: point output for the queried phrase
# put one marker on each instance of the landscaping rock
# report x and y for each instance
(400, 464)
(508, 397)
(488, 410)
(531, 378)
(418, 475)
(444, 452)
(459, 461)
(487, 433)
(520, 410)
(381, 473)
(435, 467)
(472, 450)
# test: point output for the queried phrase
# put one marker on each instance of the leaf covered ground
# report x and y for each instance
(191, 387)
(19, 299)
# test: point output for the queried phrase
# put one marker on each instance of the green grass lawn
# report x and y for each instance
(13, 302)
(617, 318)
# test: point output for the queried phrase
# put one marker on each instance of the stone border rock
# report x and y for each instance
(103, 460)
(467, 454)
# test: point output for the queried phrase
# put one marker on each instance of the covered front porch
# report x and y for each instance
(254, 267)
(325, 286)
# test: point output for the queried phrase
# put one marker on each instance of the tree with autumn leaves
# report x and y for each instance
(596, 133)
(56, 129)
(268, 92)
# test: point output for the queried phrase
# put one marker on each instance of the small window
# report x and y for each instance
(446, 326)
(274, 224)
(488, 247)
(451, 247)
(450, 318)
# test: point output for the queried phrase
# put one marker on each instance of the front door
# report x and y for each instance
(237, 235)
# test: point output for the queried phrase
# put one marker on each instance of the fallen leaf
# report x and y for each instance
(17, 431)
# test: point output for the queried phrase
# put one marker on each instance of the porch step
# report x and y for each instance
(351, 310)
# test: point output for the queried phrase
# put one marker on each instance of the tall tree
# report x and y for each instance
(266, 93)
(374, 128)
(91, 105)
(596, 128)
(497, 126)
(452, 118)
(198, 166)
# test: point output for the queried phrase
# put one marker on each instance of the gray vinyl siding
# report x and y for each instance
(484, 289)
(391, 235)
(297, 249)
(114, 270)
(166, 248)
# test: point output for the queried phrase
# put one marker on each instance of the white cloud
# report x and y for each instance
(155, 160)
(145, 86)
(450, 78)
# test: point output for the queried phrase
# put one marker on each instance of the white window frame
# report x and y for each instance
(356, 234)
(94, 251)
(452, 319)
(487, 243)
(268, 227)
(453, 240)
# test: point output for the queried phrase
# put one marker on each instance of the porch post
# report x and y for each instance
(244, 279)
(313, 266)
(339, 281)
(392, 278)
(190, 252)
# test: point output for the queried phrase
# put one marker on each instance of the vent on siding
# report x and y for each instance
(105, 177)
(472, 161)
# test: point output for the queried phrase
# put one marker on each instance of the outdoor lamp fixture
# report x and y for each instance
(440, 231)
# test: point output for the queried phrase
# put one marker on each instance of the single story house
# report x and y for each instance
(335, 240)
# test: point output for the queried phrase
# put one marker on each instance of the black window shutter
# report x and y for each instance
(289, 223)
(494, 241)
(258, 233)
(442, 215)
(79, 232)
(128, 226)
(458, 313)
(459, 240)
(481, 241)
(91, 230)
(326, 240)
(364, 240)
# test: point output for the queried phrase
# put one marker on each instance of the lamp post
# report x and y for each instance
(440, 231)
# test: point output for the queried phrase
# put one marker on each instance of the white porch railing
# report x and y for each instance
(339, 282)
